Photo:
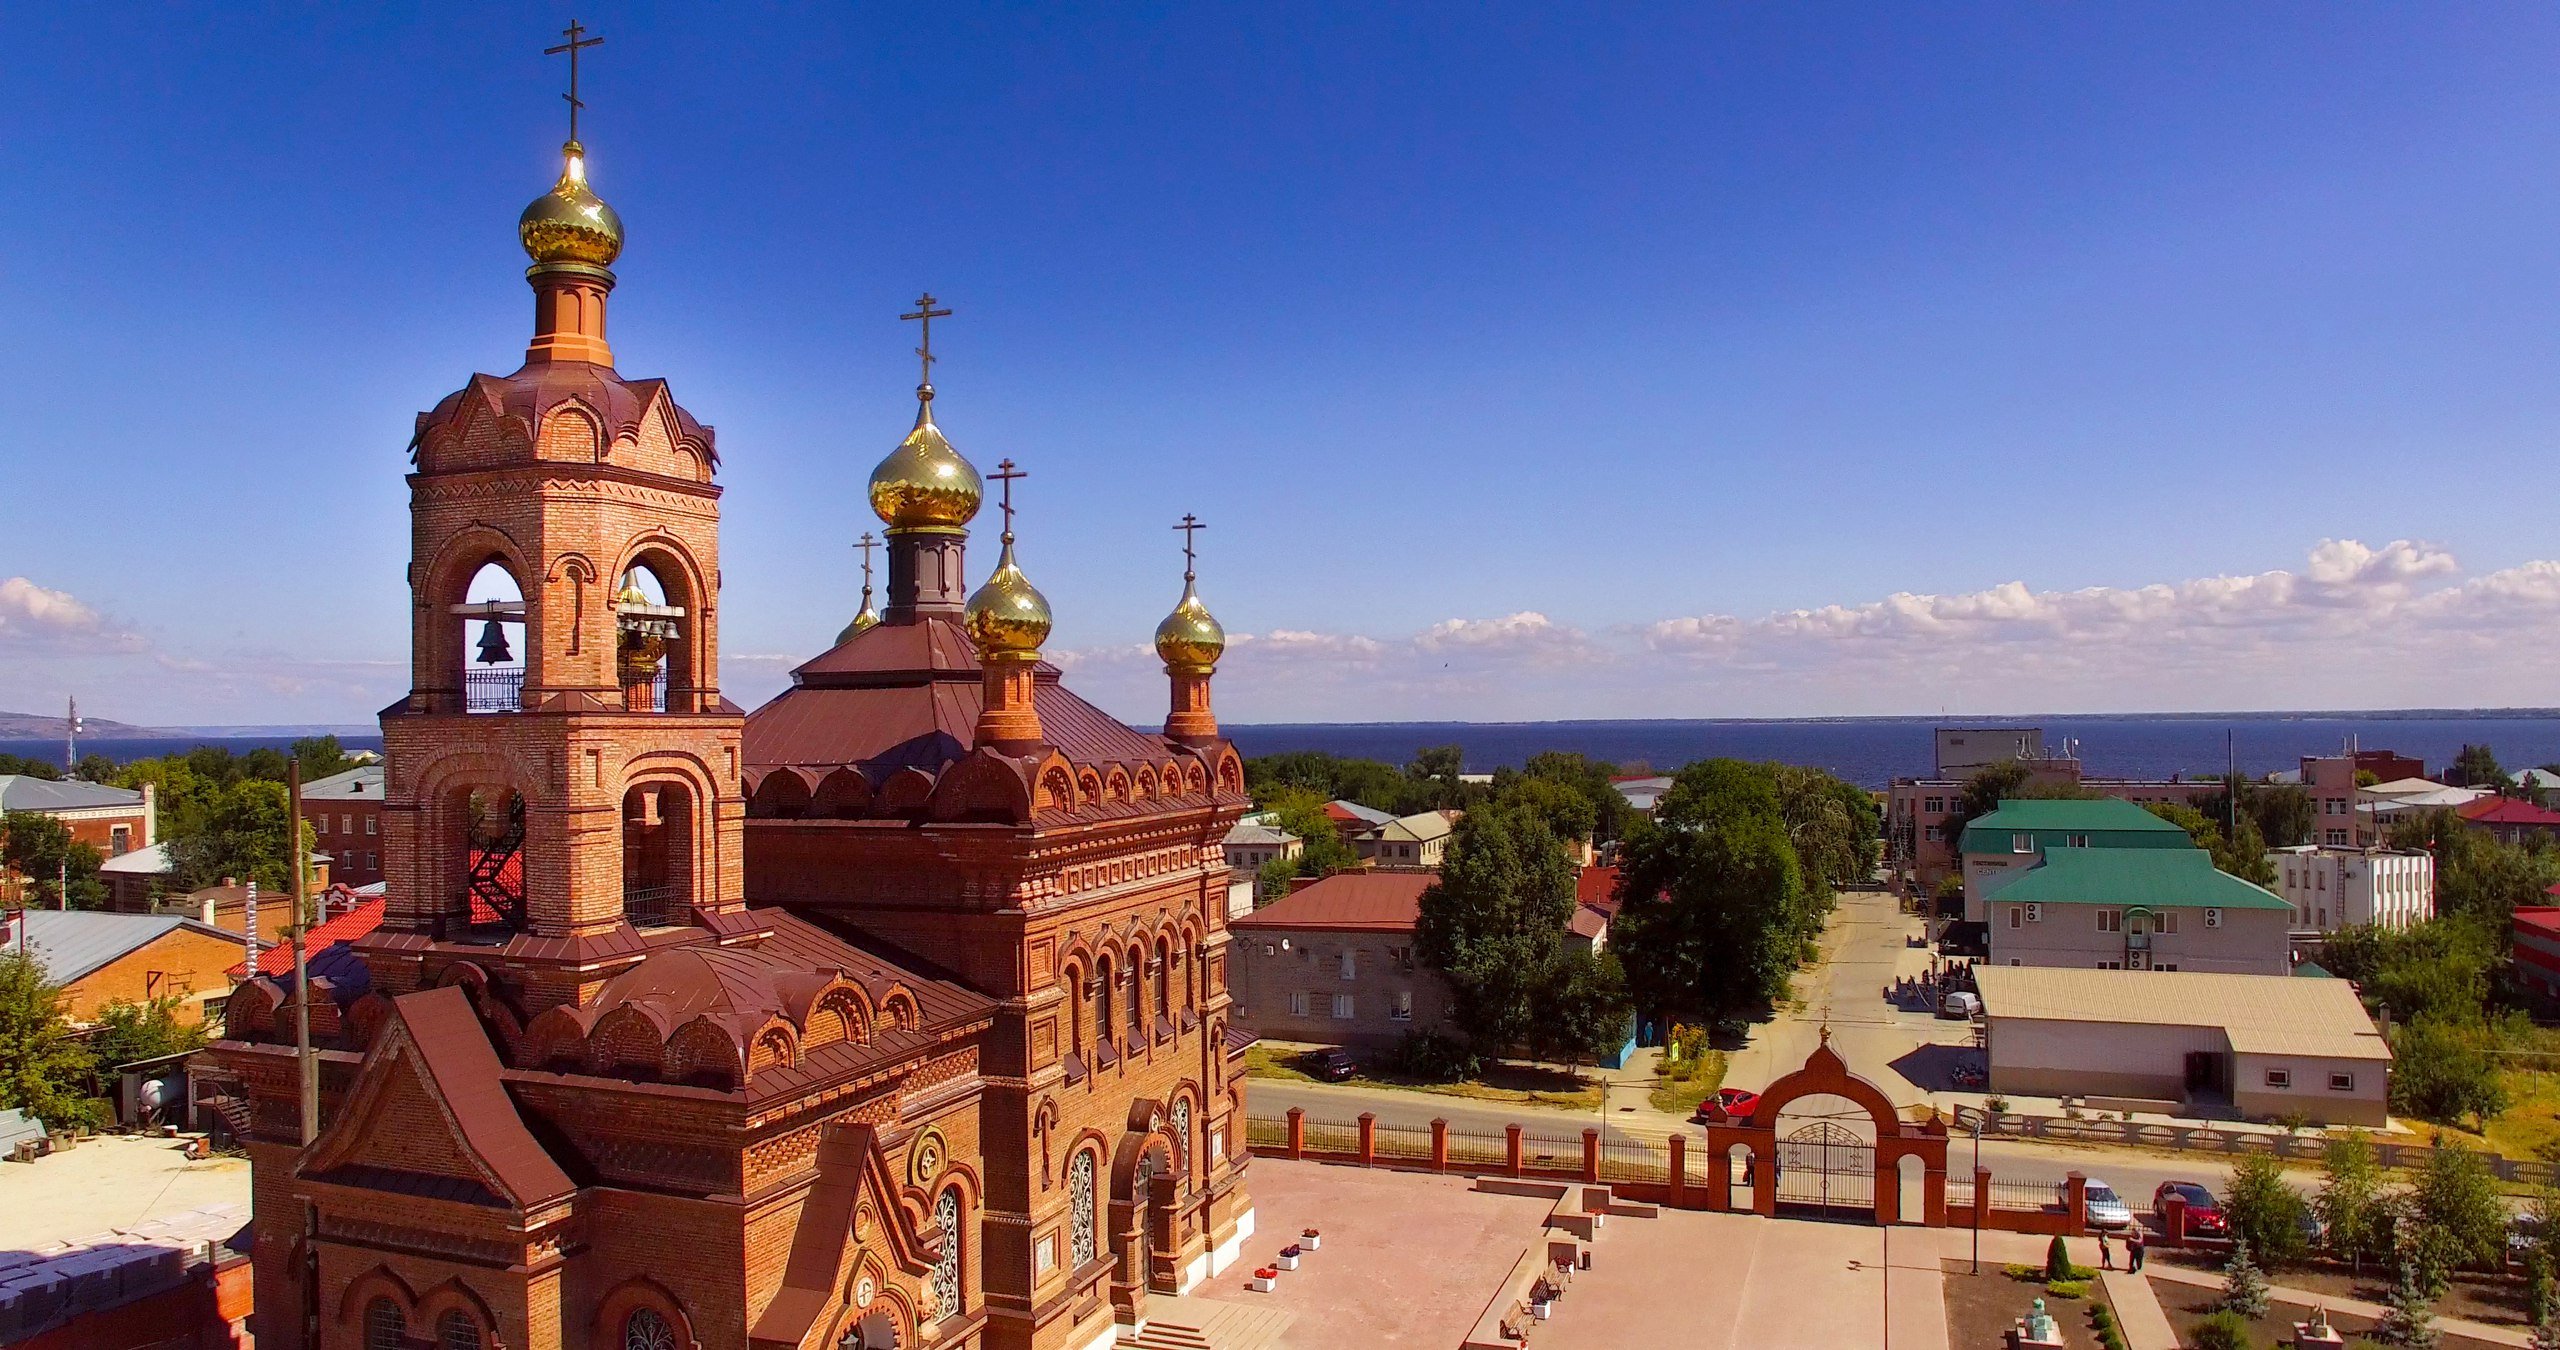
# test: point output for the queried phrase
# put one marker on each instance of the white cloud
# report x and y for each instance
(38, 618)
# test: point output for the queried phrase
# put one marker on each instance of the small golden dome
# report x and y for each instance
(862, 623)
(631, 594)
(1008, 616)
(570, 223)
(1190, 635)
(924, 482)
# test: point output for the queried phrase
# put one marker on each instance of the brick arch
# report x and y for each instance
(898, 1009)
(631, 1038)
(844, 794)
(783, 794)
(689, 658)
(454, 1295)
(604, 1330)
(1088, 788)
(1116, 785)
(844, 1001)
(571, 430)
(776, 1046)
(1825, 1074)
(705, 1053)
(439, 644)
(557, 1039)
(377, 1282)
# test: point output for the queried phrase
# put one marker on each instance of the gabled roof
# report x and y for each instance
(1420, 827)
(1359, 902)
(324, 938)
(2156, 878)
(2402, 787)
(2443, 798)
(22, 792)
(143, 862)
(1598, 888)
(71, 944)
(1252, 832)
(434, 1036)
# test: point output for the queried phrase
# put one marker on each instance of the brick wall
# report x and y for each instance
(1308, 969)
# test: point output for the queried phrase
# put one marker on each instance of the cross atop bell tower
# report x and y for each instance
(577, 42)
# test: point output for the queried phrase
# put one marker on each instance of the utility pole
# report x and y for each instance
(1979, 1199)
(300, 861)
(71, 740)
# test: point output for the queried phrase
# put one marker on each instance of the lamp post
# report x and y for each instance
(1978, 1197)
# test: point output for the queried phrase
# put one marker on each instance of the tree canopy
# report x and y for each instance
(1718, 911)
(40, 848)
(1495, 921)
(2244, 857)
(44, 1070)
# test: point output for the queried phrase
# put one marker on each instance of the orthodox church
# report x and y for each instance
(892, 1014)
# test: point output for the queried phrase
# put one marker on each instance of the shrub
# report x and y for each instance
(2263, 1211)
(2244, 1288)
(2067, 1288)
(2222, 1331)
(2030, 1274)
(2057, 1261)
(1430, 1055)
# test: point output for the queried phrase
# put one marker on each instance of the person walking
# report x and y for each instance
(2106, 1254)
(2133, 1245)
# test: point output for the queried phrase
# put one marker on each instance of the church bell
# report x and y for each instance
(493, 645)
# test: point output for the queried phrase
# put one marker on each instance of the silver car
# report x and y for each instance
(2107, 1209)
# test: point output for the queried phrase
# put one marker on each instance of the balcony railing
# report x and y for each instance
(653, 906)
(493, 690)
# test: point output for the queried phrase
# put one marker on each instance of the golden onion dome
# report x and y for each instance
(570, 223)
(631, 594)
(924, 482)
(1190, 635)
(862, 623)
(1008, 616)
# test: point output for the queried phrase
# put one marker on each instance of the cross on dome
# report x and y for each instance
(1190, 528)
(1005, 473)
(577, 42)
(924, 316)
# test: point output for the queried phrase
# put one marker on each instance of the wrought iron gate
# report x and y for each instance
(1829, 1167)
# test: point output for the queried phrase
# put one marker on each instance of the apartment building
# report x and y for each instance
(2138, 909)
(2332, 886)
(1332, 963)
(1999, 847)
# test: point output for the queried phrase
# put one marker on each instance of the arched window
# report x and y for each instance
(1137, 999)
(647, 1329)
(457, 1331)
(1102, 1027)
(946, 1272)
(385, 1326)
(1080, 1210)
(1182, 1134)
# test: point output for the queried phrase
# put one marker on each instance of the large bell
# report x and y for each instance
(493, 645)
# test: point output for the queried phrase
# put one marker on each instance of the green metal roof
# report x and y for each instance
(2312, 970)
(2155, 878)
(2107, 821)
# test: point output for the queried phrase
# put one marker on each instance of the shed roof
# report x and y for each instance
(1369, 902)
(23, 792)
(2153, 877)
(2259, 1014)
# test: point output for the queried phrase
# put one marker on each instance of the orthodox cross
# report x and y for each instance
(1190, 527)
(925, 315)
(1005, 473)
(868, 543)
(575, 32)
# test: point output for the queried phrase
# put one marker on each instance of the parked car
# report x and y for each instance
(1736, 1103)
(2204, 1213)
(2106, 1209)
(1333, 1066)
(1960, 1005)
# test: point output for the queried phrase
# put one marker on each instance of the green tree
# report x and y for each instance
(1436, 781)
(95, 768)
(32, 768)
(1494, 923)
(1581, 1007)
(2264, 1212)
(2457, 1197)
(1984, 790)
(242, 835)
(2351, 1201)
(1567, 812)
(2442, 1071)
(320, 757)
(2244, 1286)
(1832, 824)
(2284, 812)
(2243, 856)
(1717, 911)
(41, 849)
(2477, 766)
(43, 1068)
(1593, 779)
(136, 1031)
(1321, 852)
(2437, 969)
(1330, 777)
(2408, 1317)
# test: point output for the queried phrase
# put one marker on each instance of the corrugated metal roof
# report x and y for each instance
(149, 862)
(2259, 1014)
(2123, 824)
(2158, 878)
(69, 944)
(1421, 826)
(20, 792)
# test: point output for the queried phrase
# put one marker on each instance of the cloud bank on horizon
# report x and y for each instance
(2357, 626)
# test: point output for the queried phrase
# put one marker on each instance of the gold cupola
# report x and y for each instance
(1190, 636)
(1007, 617)
(570, 223)
(924, 484)
(1007, 620)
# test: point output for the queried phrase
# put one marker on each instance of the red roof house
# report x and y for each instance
(2510, 818)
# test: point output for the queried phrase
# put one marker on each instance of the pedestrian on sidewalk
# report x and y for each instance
(2133, 1244)
(2106, 1254)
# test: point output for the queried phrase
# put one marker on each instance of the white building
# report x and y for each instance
(2332, 888)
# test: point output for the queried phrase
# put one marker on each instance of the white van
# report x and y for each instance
(1961, 1005)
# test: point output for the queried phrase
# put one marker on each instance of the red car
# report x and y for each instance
(1736, 1104)
(2204, 1213)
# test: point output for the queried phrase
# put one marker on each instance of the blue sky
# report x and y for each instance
(1532, 362)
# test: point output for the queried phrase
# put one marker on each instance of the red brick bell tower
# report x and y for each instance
(547, 810)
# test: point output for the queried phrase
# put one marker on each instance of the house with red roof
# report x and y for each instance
(2511, 818)
(2536, 930)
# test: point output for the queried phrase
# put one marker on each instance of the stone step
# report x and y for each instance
(1211, 1324)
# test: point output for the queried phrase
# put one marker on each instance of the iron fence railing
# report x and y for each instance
(1550, 1151)
(1401, 1141)
(1265, 1132)
(2025, 1195)
(1960, 1192)
(1327, 1138)
(652, 906)
(1475, 1147)
(1628, 1159)
(499, 689)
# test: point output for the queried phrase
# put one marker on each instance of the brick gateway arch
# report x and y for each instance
(1824, 1074)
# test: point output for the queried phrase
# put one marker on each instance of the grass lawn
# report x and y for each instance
(1682, 1086)
(1526, 1084)
(2531, 1122)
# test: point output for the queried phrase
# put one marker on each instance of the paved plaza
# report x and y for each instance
(109, 1182)
(1411, 1259)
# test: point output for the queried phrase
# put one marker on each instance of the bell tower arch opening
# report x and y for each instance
(658, 822)
(488, 632)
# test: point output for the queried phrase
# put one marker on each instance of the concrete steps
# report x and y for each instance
(1209, 1324)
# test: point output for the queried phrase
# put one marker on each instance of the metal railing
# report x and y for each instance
(1478, 1147)
(653, 906)
(493, 689)
(1623, 1158)
(1327, 1138)
(2308, 1146)
(2025, 1195)
(1401, 1141)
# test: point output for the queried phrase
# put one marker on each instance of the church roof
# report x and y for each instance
(532, 392)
